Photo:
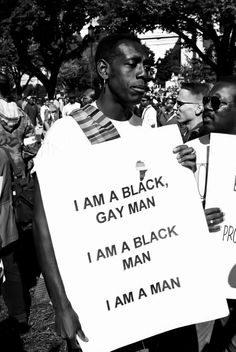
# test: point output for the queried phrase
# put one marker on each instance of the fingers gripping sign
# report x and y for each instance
(214, 217)
(186, 156)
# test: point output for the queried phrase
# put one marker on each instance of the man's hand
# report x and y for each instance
(68, 326)
(214, 217)
(186, 156)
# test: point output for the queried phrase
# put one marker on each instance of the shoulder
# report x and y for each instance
(61, 132)
(135, 120)
(81, 114)
(63, 139)
(152, 110)
(78, 114)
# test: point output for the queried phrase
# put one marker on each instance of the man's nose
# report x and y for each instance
(142, 72)
(207, 106)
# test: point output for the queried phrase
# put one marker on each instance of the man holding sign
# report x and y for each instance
(122, 64)
(220, 117)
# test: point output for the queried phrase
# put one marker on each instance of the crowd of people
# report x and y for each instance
(197, 108)
(43, 112)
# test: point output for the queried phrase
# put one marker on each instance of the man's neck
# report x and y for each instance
(194, 124)
(113, 109)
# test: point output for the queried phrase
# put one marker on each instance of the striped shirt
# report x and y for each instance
(97, 127)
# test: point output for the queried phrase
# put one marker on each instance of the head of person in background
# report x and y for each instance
(166, 115)
(149, 114)
(169, 104)
(72, 98)
(46, 101)
(146, 100)
(9, 112)
(30, 100)
(220, 107)
(51, 116)
(190, 107)
(88, 96)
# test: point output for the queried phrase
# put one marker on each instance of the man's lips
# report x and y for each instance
(139, 89)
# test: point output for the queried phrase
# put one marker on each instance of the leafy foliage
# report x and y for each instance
(169, 64)
(197, 70)
(214, 20)
(45, 34)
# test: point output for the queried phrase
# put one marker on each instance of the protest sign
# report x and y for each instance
(130, 235)
(221, 192)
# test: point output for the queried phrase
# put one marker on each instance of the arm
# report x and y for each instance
(66, 320)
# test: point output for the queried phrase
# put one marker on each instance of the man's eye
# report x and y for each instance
(131, 63)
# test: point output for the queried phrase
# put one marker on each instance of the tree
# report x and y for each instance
(197, 70)
(9, 61)
(45, 33)
(75, 75)
(212, 20)
(169, 64)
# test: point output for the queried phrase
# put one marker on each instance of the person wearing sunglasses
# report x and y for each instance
(219, 116)
(190, 108)
(220, 108)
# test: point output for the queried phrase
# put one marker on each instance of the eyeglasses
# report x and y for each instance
(215, 101)
(181, 103)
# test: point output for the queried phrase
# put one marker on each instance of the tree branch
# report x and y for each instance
(207, 30)
(193, 44)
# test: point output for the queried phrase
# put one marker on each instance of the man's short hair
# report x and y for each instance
(196, 88)
(106, 48)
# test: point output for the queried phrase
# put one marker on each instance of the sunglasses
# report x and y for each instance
(215, 101)
(181, 103)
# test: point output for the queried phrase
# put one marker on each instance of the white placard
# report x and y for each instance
(221, 192)
(134, 255)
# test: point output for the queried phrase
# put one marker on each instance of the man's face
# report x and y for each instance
(186, 106)
(129, 73)
(220, 113)
(72, 100)
(144, 101)
(169, 105)
(88, 98)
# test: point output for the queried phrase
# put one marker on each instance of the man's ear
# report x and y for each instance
(199, 109)
(103, 69)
